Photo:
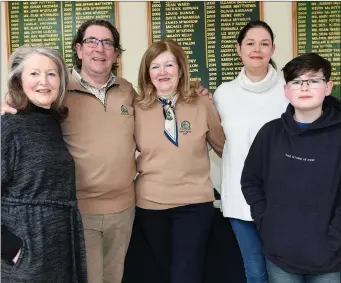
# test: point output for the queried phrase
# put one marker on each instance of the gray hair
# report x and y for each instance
(17, 96)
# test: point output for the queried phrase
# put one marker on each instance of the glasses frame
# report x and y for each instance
(84, 41)
(309, 83)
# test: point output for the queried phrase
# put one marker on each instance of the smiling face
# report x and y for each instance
(307, 98)
(164, 74)
(256, 48)
(96, 61)
(40, 80)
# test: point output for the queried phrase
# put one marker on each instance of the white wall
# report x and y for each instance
(278, 16)
(134, 36)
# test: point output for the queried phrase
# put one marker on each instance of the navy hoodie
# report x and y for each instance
(292, 181)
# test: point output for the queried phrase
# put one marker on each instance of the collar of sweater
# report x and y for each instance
(257, 87)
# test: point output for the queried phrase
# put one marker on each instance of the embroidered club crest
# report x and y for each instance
(124, 110)
(185, 127)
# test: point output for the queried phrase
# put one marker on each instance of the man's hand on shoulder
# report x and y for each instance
(204, 91)
(5, 108)
(200, 90)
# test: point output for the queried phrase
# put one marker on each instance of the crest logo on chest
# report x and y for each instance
(124, 110)
(185, 127)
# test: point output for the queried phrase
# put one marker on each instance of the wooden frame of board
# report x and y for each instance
(116, 24)
(294, 28)
(149, 21)
(261, 10)
(7, 29)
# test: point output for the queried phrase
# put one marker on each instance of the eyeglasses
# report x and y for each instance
(311, 83)
(92, 42)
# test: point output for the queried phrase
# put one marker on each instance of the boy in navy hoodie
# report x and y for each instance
(292, 179)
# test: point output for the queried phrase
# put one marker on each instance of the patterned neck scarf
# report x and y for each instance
(171, 128)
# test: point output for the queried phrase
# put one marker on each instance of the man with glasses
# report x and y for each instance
(99, 133)
(292, 178)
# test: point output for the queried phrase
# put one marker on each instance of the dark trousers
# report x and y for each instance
(178, 238)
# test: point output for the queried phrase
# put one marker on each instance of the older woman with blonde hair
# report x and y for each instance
(42, 236)
(174, 192)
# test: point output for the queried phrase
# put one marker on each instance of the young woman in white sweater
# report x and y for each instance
(245, 104)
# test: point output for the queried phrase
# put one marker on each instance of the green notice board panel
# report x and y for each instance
(317, 28)
(207, 31)
(53, 23)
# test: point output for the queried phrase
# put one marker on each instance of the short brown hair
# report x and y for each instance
(16, 95)
(147, 92)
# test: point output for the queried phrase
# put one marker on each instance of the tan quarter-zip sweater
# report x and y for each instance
(171, 176)
(101, 141)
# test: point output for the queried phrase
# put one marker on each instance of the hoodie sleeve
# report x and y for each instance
(334, 232)
(252, 179)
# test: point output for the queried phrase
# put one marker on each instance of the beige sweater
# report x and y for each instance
(101, 140)
(171, 176)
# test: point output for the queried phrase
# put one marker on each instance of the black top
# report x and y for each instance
(292, 181)
(35, 165)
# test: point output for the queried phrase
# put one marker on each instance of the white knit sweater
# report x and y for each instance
(244, 107)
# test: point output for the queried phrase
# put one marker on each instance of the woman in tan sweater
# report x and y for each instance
(174, 191)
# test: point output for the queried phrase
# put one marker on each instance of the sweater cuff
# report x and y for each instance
(10, 244)
(334, 238)
(258, 221)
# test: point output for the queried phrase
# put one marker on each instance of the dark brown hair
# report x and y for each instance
(310, 62)
(80, 36)
(256, 24)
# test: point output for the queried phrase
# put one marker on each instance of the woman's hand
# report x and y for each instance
(15, 259)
